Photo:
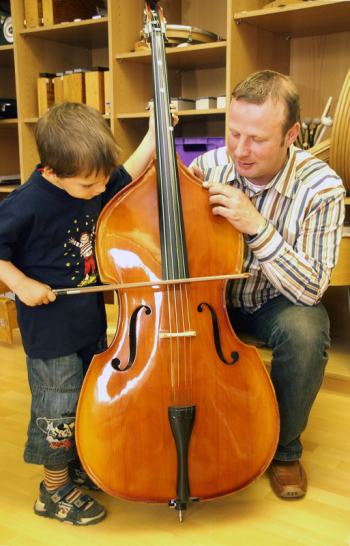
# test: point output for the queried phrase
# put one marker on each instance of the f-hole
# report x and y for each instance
(132, 340)
(216, 333)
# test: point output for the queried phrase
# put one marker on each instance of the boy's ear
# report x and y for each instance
(49, 174)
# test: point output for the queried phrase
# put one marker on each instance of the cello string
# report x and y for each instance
(187, 342)
(160, 122)
(177, 349)
(184, 345)
(171, 351)
(182, 258)
(190, 347)
(168, 192)
(170, 199)
(179, 245)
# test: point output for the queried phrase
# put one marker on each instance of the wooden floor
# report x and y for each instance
(252, 517)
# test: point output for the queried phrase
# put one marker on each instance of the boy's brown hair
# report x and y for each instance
(74, 139)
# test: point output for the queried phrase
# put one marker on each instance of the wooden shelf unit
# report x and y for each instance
(91, 34)
(310, 41)
(9, 122)
(300, 19)
(194, 71)
(9, 150)
(201, 56)
(6, 56)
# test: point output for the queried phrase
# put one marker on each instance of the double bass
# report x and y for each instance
(177, 408)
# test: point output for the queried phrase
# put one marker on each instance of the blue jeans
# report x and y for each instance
(55, 384)
(299, 339)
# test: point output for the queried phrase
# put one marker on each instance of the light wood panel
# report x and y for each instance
(319, 65)
(8, 319)
(321, 150)
(341, 273)
(253, 516)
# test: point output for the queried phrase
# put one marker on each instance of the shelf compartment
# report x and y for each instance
(9, 122)
(6, 56)
(214, 113)
(184, 58)
(33, 121)
(300, 20)
(91, 34)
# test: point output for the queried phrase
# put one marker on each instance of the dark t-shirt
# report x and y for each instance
(50, 237)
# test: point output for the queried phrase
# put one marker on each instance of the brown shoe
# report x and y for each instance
(288, 479)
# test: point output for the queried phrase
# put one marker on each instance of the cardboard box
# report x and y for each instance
(63, 11)
(33, 13)
(180, 103)
(74, 87)
(58, 88)
(221, 102)
(95, 89)
(205, 103)
(45, 89)
(184, 104)
(8, 319)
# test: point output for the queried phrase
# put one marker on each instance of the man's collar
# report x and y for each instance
(284, 180)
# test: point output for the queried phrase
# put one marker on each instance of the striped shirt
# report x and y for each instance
(295, 253)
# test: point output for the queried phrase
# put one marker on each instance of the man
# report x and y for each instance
(290, 208)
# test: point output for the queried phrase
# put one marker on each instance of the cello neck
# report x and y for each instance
(172, 233)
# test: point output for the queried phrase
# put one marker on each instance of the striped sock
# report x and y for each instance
(54, 479)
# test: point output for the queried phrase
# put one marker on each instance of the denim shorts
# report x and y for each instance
(55, 384)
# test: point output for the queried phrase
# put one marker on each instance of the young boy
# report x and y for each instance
(47, 230)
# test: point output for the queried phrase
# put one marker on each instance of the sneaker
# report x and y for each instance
(79, 476)
(69, 505)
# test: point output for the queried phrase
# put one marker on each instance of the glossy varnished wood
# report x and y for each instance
(248, 518)
(125, 410)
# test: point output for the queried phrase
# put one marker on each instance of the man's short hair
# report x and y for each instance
(267, 84)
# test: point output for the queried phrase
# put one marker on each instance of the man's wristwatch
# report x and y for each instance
(258, 231)
(260, 228)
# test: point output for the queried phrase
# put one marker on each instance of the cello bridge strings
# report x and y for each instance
(180, 353)
(173, 236)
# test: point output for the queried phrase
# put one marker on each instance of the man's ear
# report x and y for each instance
(292, 134)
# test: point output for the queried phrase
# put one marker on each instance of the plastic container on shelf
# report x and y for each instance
(190, 148)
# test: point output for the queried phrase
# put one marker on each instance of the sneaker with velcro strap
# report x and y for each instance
(69, 505)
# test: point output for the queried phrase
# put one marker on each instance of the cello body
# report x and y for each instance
(174, 359)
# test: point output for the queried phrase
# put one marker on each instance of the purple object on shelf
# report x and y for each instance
(190, 148)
